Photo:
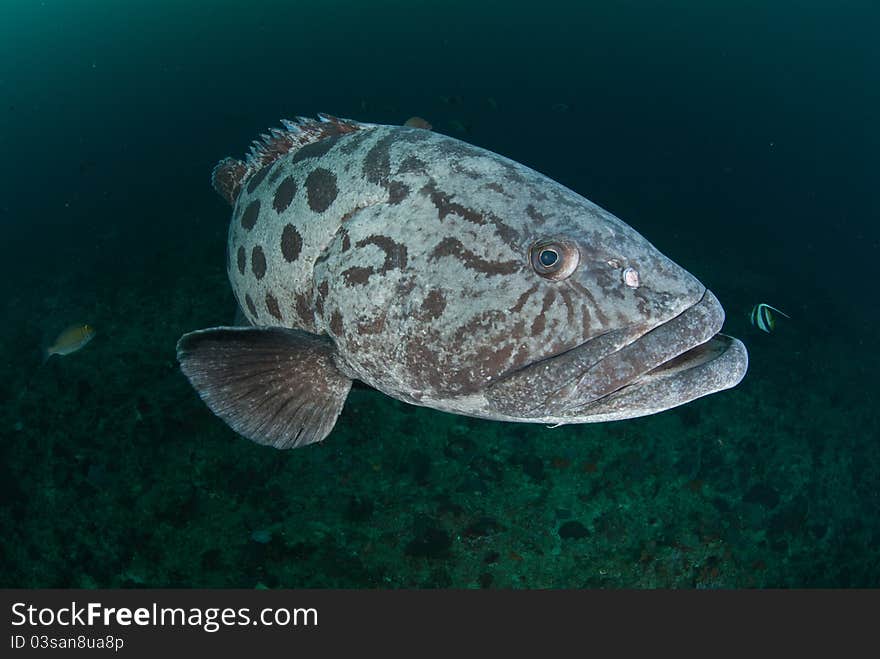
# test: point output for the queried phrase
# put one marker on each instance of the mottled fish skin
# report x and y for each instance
(411, 251)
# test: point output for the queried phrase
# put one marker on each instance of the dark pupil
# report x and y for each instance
(548, 257)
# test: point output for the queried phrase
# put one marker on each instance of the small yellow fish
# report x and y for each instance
(70, 340)
(417, 122)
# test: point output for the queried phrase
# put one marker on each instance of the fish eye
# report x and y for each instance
(554, 259)
(548, 257)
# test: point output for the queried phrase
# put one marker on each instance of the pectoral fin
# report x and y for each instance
(275, 386)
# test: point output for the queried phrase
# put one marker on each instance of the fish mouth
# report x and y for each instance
(715, 365)
(632, 372)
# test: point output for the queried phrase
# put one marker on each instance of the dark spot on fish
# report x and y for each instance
(457, 167)
(242, 260)
(540, 321)
(395, 253)
(424, 363)
(566, 200)
(350, 142)
(377, 162)
(608, 282)
(540, 195)
(257, 178)
(397, 192)
(495, 360)
(454, 247)
(434, 303)
(643, 304)
(495, 187)
(315, 149)
(336, 323)
(374, 326)
(512, 175)
(538, 325)
(346, 242)
(277, 170)
(535, 214)
(479, 324)
(377, 165)
(507, 233)
(258, 262)
(250, 305)
(304, 311)
(521, 300)
(357, 276)
(272, 306)
(443, 203)
(395, 259)
(445, 206)
(249, 217)
(323, 289)
(284, 194)
(321, 189)
(291, 243)
(412, 165)
(586, 320)
(588, 294)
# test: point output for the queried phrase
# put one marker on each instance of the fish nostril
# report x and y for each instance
(631, 277)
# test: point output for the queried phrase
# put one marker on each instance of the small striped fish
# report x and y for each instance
(761, 316)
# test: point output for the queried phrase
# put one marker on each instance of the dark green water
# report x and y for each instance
(742, 141)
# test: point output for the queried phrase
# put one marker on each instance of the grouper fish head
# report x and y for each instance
(448, 276)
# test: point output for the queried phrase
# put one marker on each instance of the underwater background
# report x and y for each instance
(741, 139)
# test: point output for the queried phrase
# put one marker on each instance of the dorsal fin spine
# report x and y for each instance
(230, 175)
